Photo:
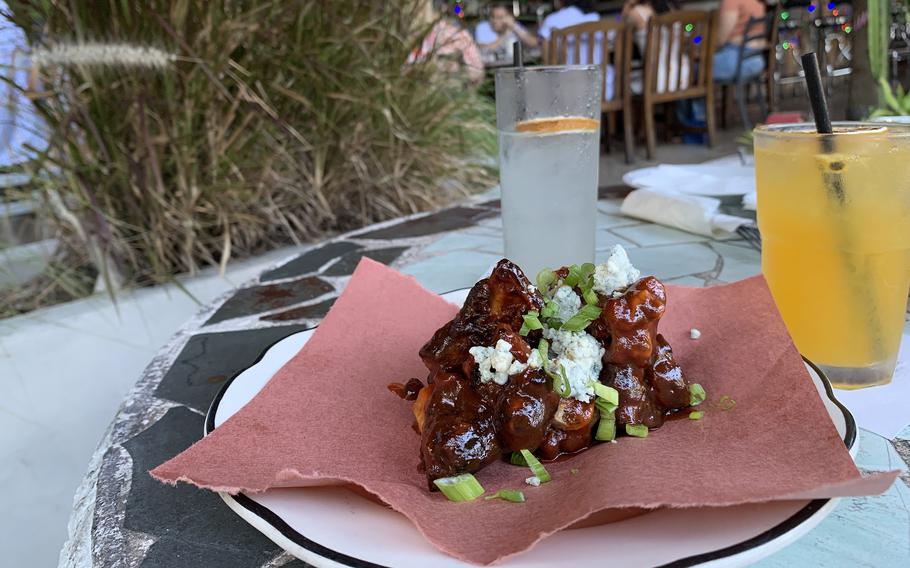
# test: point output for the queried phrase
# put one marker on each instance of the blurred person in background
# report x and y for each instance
(732, 19)
(20, 125)
(639, 12)
(733, 15)
(448, 43)
(571, 13)
(568, 13)
(497, 36)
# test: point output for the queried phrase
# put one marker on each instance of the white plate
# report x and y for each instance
(335, 527)
(724, 177)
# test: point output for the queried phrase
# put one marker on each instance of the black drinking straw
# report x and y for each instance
(519, 63)
(833, 176)
(816, 94)
(518, 59)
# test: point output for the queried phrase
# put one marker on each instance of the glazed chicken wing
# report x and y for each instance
(500, 299)
(639, 362)
(492, 380)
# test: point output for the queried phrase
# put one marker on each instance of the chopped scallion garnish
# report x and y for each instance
(590, 297)
(531, 322)
(607, 394)
(545, 279)
(726, 403)
(543, 348)
(696, 394)
(510, 495)
(459, 488)
(561, 384)
(579, 274)
(696, 415)
(605, 406)
(549, 310)
(537, 468)
(606, 429)
(517, 459)
(637, 430)
(607, 402)
(582, 318)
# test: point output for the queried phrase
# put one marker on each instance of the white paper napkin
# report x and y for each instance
(690, 213)
(727, 176)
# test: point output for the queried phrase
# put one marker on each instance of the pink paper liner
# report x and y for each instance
(327, 418)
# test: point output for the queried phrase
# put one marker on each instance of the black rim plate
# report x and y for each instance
(771, 534)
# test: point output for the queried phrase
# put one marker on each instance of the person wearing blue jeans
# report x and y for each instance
(726, 59)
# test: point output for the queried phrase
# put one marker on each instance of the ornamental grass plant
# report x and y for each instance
(185, 133)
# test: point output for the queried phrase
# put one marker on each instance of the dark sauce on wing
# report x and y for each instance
(407, 391)
(466, 424)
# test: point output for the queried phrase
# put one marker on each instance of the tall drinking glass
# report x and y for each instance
(834, 215)
(549, 133)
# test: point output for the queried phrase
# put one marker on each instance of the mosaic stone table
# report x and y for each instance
(123, 518)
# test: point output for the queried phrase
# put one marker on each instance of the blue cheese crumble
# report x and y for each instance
(567, 301)
(497, 363)
(616, 274)
(580, 356)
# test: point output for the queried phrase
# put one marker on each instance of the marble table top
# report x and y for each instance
(124, 518)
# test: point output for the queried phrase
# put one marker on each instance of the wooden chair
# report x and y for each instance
(609, 43)
(678, 66)
(771, 59)
(763, 30)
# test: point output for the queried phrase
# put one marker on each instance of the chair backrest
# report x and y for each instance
(607, 43)
(773, 27)
(757, 28)
(759, 40)
(773, 31)
(680, 55)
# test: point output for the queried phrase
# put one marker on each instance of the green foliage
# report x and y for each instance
(879, 37)
(275, 122)
(746, 140)
(897, 102)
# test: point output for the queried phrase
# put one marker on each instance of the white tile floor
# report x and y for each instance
(63, 372)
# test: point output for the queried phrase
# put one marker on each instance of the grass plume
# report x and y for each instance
(101, 55)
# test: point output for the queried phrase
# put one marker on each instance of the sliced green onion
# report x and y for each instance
(573, 277)
(582, 318)
(590, 297)
(508, 495)
(637, 430)
(696, 394)
(696, 415)
(537, 468)
(561, 384)
(517, 459)
(605, 406)
(608, 394)
(531, 322)
(606, 429)
(726, 403)
(460, 487)
(543, 348)
(579, 274)
(549, 310)
(545, 279)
